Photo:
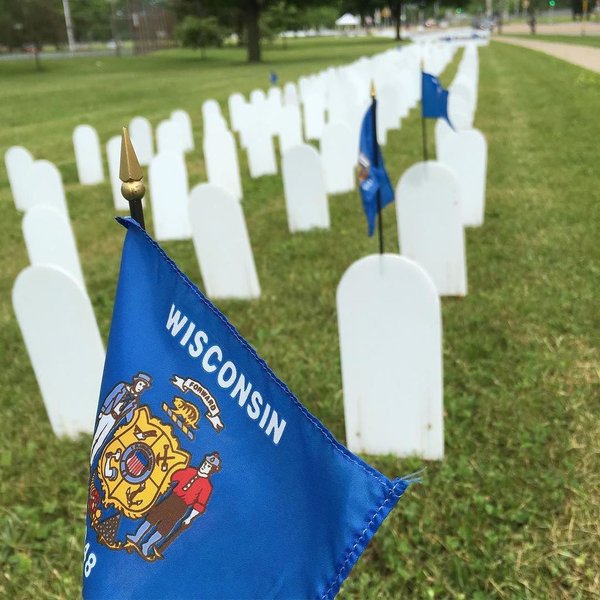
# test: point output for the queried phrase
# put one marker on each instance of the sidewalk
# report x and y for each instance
(582, 56)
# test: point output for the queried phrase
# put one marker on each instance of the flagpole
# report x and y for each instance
(423, 124)
(131, 175)
(376, 162)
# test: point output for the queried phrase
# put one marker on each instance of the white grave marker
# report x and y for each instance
(47, 187)
(290, 127)
(260, 150)
(168, 137)
(221, 161)
(430, 230)
(314, 116)
(290, 94)
(18, 162)
(465, 152)
(391, 353)
(338, 153)
(258, 97)
(64, 345)
(182, 119)
(140, 132)
(459, 113)
(222, 244)
(210, 110)
(441, 131)
(388, 112)
(304, 189)
(169, 187)
(236, 104)
(113, 153)
(88, 155)
(50, 241)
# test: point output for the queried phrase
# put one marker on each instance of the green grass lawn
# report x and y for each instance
(580, 40)
(514, 510)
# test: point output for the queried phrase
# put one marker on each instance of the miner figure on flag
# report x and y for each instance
(171, 515)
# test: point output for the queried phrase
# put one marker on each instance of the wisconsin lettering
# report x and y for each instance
(229, 376)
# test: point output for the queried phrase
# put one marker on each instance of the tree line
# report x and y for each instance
(201, 23)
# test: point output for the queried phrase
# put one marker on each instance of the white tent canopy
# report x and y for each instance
(348, 20)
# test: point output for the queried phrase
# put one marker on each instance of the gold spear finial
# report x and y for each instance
(131, 174)
(373, 94)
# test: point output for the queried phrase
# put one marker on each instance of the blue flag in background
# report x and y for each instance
(434, 98)
(209, 479)
(372, 175)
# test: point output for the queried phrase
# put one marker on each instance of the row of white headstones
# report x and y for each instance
(389, 312)
(215, 217)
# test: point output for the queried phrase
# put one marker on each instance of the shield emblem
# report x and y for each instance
(136, 466)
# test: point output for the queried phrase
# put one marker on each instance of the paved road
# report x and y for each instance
(61, 55)
(582, 56)
(574, 29)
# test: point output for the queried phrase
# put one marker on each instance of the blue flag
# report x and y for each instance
(208, 478)
(372, 175)
(434, 98)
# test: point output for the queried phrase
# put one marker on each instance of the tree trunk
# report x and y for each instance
(397, 11)
(253, 30)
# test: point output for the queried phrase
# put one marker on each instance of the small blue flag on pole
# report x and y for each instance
(208, 477)
(372, 176)
(434, 98)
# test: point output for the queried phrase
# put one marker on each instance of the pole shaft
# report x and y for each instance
(69, 25)
(424, 136)
(136, 211)
(423, 124)
(376, 164)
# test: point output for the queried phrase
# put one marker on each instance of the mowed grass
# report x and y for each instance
(513, 511)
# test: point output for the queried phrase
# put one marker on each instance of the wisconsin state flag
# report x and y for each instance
(208, 478)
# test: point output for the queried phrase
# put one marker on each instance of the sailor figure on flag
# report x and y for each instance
(119, 405)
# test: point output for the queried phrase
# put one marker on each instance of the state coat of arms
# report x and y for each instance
(143, 473)
(136, 467)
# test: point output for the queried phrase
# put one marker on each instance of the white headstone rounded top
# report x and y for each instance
(391, 354)
(184, 122)
(290, 94)
(63, 342)
(221, 161)
(290, 127)
(304, 189)
(210, 109)
(18, 162)
(140, 131)
(465, 152)
(338, 153)
(47, 187)
(88, 155)
(235, 102)
(113, 154)
(169, 137)
(222, 244)
(430, 230)
(257, 96)
(169, 187)
(50, 241)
